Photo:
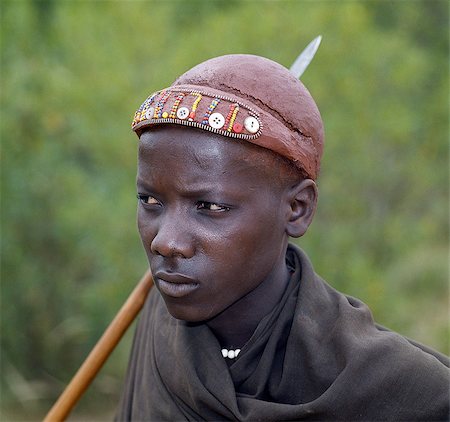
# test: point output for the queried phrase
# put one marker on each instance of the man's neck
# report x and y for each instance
(235, 325)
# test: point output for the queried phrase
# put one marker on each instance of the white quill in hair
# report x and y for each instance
(305, 57)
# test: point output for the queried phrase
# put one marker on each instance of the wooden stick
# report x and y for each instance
(100, 353)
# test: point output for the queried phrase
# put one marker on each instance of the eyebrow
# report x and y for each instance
(142, 183)
(198, 190)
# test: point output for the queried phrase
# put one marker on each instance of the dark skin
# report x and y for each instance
(215, 216)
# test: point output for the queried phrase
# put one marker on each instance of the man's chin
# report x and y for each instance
(191, 314)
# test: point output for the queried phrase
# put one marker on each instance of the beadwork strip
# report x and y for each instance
(186, 116)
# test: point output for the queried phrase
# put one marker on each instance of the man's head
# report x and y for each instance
(216, 210)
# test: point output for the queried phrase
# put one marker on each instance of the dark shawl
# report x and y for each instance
(317, 356)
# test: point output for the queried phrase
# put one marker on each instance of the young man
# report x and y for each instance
(239, 326)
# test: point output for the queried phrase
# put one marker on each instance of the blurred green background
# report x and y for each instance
(73, 73)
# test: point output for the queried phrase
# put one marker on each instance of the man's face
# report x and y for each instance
(210, 216)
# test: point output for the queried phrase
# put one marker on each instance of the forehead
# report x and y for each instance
(195, 152)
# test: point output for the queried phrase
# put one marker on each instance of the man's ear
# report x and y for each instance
(302, 206)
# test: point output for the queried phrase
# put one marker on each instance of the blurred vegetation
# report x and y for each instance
(73, 73)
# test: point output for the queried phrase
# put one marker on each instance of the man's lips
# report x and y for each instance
(174, 284)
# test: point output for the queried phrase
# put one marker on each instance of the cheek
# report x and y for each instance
(258, 230)
(250, 248)
(145, 227)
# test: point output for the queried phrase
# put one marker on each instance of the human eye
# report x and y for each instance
(147, 199)
(212, 206)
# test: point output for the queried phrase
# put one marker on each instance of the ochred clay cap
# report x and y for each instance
(244, 97)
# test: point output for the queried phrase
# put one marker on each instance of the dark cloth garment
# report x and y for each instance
(317, 356)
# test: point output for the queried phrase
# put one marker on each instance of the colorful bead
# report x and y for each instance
(165, 115)
(197, 100)
(157, 105)
(144, 110)
(160, 104)
(230, 113)
(211, 107)
(147, 102)
(233, 117)
(173, 111)
(136, 118)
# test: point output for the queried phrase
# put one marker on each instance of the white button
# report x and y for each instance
(149, 113)
(251, 124)
(236, 352)
(216, 120)
(224, 353)
(183, 113)
(231, 354)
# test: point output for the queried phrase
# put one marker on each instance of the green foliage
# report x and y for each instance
(74, 72)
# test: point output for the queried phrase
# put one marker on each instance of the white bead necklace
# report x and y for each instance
(230, 354)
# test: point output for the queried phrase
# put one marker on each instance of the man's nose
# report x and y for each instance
(173, 238)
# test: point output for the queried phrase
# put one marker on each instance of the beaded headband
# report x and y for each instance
(243, 97)
(211, 111)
